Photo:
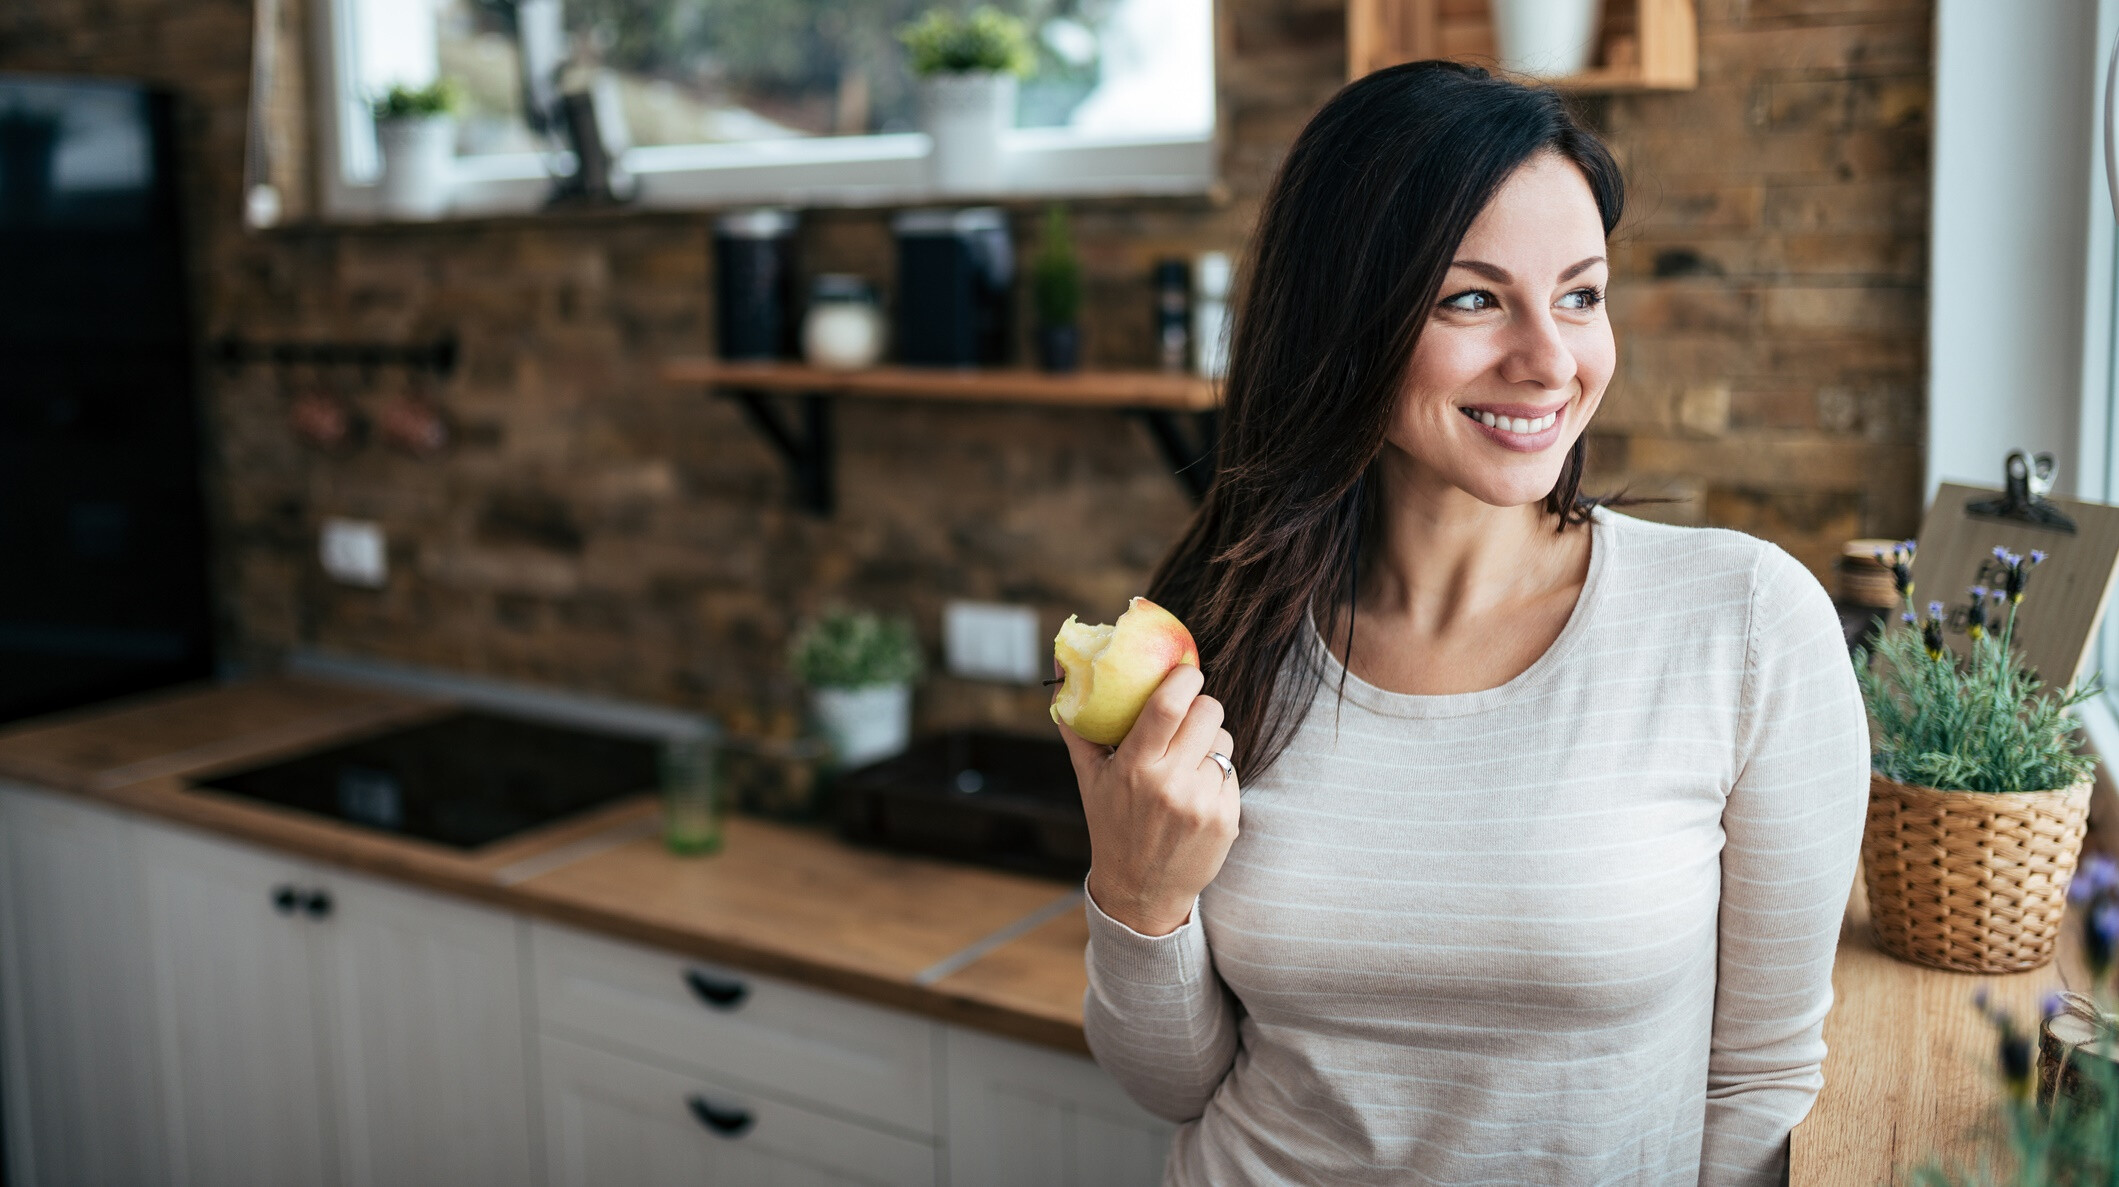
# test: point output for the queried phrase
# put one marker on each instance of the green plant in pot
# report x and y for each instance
(860, 668)
(1978, 793)
(1056, 291)
(967, 66)
(415, 134)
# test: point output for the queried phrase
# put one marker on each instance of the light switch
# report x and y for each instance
(352, 552)
(992, 641)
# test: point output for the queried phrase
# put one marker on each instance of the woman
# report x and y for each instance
(1551, 813)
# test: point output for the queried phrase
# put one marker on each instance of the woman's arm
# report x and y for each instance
(1161, 817)
(1792, 828)
(1159, 1018)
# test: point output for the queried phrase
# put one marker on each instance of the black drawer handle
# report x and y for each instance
(722, 993)
(728, 1123)
(286, 899)
(317, 904)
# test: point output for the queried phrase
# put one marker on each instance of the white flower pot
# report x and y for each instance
(864, 724)
(419, 165)
(1546, 38)
(964, 116)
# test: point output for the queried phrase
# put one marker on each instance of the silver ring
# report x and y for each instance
(1228, 769)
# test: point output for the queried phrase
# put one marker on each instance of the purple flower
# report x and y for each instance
(2037, 556)
(1934, 609)
(1981, 999)
(2098, 874)
(2051, 1005)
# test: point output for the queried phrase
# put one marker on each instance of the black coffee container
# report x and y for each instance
(754, 284)
(956, 279)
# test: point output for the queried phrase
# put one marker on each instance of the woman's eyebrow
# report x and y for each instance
(1501, 275)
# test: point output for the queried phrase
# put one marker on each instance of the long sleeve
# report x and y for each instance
(1158, 1017)
(1792, 827)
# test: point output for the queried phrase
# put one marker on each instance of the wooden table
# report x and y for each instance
(1910, 1074)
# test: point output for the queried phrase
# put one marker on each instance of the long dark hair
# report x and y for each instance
(1349, 254)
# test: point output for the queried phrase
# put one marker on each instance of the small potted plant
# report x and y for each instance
(1056, 291)
(1978, 793)
(967, 66)
(415, 133)
(860, 668)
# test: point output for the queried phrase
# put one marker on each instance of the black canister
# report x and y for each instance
(754, 274)
(956, 278)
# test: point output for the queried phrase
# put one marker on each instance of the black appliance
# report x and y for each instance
(956, 279)
(103, 548)
(974, 795)
(754, 284)
(466, 780)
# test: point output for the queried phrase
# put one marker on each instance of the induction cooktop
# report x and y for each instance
(464, 780)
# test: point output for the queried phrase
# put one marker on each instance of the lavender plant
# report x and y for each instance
(1986, 723)
(2054, 1138)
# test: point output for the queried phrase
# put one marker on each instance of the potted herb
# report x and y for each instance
(1978, 795)
(415, 132)
(967, 66)
(1056, 291)
(860, 668)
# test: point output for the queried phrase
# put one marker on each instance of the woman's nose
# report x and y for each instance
(1537, 354)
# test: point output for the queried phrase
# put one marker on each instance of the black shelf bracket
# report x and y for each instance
(1190, 453)
(806, 443)
(807, 449)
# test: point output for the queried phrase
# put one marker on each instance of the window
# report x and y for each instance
(798, 101)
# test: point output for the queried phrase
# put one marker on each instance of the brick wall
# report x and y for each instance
(594, 528)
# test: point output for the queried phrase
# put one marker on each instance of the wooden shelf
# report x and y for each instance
(1163, 401)
(1077, 389)
(1645, 45)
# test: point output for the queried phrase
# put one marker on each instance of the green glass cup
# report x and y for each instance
(694, 794)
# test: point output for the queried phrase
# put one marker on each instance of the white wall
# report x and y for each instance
(2019, 269)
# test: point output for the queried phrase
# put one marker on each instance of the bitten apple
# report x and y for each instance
(1109, 670)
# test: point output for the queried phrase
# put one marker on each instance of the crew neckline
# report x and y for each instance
(1458, 704)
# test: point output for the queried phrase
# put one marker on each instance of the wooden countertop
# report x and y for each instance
(1908, 1077)
(927, 936)
(1910, 1071)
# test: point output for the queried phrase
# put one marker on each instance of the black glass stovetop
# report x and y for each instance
(465, 780)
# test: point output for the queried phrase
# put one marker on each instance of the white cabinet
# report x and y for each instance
(610, 1119)
(319, 1027)
(81, 1084)
(1032, 1117)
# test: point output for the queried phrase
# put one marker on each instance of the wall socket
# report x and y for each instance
(352, 552)
(992, 641)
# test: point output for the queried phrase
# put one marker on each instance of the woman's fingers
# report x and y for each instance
(1160, 718)
(1202, 725)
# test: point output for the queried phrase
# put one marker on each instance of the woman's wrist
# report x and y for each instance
(1149, 915)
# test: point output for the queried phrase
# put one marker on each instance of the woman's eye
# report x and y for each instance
(1583, 298)
(1475, 301)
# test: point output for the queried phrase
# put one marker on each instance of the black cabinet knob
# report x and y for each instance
(286, 899)
(727, 1123)
(722, 993)
(317, 904)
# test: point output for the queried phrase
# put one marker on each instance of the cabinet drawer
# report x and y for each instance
(798, 1044)
(610, 1119)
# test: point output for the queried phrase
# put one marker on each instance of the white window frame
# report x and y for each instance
(2023, 236)
(880, 170)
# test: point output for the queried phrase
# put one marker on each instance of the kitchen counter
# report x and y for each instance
(978, 947)
(1909, 1074)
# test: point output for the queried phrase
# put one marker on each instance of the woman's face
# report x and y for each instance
(1516, 351)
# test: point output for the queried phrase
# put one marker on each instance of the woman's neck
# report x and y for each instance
(1457, 594)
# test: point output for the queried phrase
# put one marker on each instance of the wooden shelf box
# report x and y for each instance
(1645, 45)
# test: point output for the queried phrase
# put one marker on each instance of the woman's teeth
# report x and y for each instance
(1513, 424)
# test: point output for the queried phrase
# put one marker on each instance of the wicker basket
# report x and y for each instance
(1973, 881)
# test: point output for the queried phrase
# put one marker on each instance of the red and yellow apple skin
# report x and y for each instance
(1108, 672)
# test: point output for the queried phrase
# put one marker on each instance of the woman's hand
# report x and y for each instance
(1161, 813)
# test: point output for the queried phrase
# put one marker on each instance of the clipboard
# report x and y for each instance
(2066, 596)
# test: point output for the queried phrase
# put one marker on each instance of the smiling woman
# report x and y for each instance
(1547, 815)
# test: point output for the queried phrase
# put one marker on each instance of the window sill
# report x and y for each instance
(868, 171)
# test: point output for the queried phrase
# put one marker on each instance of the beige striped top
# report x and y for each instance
(1575, 929)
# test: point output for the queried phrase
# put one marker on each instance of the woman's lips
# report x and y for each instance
(1508, 415)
